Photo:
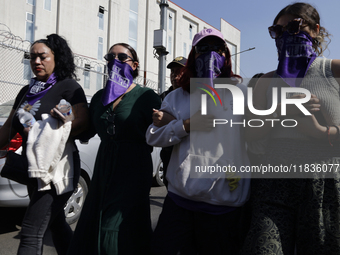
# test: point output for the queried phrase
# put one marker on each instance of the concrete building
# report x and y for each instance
(92, 26)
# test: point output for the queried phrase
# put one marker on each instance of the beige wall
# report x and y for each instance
(79, 24)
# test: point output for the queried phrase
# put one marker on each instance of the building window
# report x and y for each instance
(99, 82)
(190, 32)
(133, 23)
(100, 48)
(170, 21)
(29, 27)
(27, 70)
(87, 76)
(233, 49)
(86, 79)
(101, 21)
(170, 45)
(134, 5)
(133, 43)
(31, 2)
(185, 50)
(48, 5)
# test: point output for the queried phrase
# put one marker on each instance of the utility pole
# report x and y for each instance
(108, 26)
(161, 47)
(58, 17)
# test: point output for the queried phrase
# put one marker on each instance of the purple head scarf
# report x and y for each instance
(37, 89)
(120, 79)
(209, 65)
(296, 54)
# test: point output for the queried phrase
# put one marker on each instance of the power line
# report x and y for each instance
(243, 51)
(244, 75)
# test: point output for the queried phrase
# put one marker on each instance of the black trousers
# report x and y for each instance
(181, 231)
(46, 210)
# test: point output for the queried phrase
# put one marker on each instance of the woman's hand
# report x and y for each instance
(199, 122)
(161, 118)
(80, 118)
(313, 105)
(310, 126)
(58, 115)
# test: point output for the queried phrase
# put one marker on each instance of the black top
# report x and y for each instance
(165, 93)
(67, 89)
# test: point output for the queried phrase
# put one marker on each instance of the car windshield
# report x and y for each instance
(5, 109)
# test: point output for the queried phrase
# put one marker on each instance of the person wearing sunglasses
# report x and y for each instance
(201, 215)
(298, 212)
(116, 214)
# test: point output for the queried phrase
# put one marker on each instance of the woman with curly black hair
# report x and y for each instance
(52, 63)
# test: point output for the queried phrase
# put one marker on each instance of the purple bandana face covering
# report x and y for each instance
(296, 54)
(37, 89)
(120, 79)
(209, 65)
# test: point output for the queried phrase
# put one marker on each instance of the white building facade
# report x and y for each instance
(92, 26)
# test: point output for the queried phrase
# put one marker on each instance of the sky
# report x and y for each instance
(252, 18)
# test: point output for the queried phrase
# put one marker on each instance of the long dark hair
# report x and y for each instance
(189, 70)
(63, 56)
(133, 53)
(311, 17)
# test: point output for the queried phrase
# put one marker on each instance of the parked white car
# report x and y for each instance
(13, 194)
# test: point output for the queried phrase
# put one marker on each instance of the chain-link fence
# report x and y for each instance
(14, 64)
(15, 70)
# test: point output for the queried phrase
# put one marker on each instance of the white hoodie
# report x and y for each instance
(193, 154)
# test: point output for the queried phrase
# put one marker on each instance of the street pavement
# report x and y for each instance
(10, 222)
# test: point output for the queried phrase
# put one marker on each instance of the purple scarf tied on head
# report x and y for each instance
(120, 79)
(209, 65)
(296, 54)
(37, 89)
